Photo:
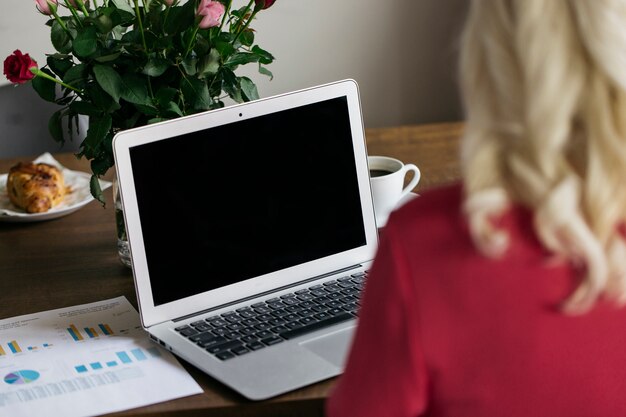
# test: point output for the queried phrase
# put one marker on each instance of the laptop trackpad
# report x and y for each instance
(333, 347)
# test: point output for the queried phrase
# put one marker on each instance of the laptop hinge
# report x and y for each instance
(243, 300)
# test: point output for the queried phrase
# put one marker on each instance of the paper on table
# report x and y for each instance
(77, 181)
(84, 360)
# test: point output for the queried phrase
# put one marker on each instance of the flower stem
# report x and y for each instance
(193, 37)
(61, 23)
(40, 73)
(143, 38)
(73, 11)
(81, 4)
(245, 26)
(245, 12)
(226, 13)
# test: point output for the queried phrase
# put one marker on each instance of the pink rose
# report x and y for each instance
(169, 2)
(17, 67)
(264, 4)
(211, 12)
(46, 6)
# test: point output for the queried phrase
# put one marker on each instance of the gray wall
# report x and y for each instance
(401, 52)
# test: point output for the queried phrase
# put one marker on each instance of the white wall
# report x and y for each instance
(401, 52)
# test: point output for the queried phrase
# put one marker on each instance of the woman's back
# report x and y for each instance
(459, 334)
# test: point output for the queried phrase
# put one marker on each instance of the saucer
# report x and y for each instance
(381, 222)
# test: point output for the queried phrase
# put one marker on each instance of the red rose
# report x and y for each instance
(264, 4)
(17, 67)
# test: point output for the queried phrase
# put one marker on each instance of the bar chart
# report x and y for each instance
(89, 332)
(121, 357)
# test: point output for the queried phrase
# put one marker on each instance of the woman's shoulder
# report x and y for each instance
(436, 211)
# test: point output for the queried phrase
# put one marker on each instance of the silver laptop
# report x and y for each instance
(251, 230)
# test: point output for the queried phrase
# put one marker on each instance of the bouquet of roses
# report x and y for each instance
(125, 64)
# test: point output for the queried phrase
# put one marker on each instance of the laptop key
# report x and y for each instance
(272, 340)
(256, 345)
(212, 341)
(225, 355)
(189, 332)
(223, 346)
(279, 329)
(249, 339)
(343, 279)
(290, 334)
(240, 350)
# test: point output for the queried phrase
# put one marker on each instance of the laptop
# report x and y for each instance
(251, 230)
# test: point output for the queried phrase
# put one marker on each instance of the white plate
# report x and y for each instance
(381, 222)
(79, 196)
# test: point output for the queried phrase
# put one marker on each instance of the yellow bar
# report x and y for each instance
(80, 336)
(106, 326)
(16, 346)
(95, 333)
(2, 352)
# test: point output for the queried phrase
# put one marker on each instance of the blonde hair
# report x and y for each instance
(544, 89)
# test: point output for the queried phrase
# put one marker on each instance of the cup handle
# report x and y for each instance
(416, 178)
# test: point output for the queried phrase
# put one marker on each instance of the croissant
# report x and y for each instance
(35, 188)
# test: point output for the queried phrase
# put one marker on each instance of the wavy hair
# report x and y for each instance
(544, 90)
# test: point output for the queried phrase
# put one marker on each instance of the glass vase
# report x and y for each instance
(123, 250)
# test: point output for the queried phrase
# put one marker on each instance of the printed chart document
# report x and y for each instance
(84, 360)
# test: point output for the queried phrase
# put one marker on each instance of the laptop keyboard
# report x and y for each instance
(259, 325)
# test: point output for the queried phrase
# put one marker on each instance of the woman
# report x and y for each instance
(503, 296)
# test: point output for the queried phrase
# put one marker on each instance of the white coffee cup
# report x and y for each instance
(387, 179)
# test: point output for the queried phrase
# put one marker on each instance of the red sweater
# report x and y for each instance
(444, 331)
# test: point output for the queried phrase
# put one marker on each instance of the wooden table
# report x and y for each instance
(73, 260)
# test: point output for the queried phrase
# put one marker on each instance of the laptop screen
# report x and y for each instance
(233, 202)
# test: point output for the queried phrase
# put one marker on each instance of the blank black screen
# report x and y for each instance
(229, 203)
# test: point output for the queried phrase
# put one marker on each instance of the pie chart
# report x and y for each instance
(21, 377)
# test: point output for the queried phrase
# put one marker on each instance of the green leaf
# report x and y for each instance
(109, 80)
(156, 67)
(265, 71)
(83, 107)
(76, 76)
(61, 40)
(59, 64)
(247, 37)
(189, 64)
(248, 89)
(264, 56)
(97, 132)
(165, 95)
(101, 99)
(123, 5)
(55, 126)
(231, 85)
(44, 87)
(136, 90)
(86, 42)
(172, 109)
(241, 58)
(96, 191)
(108, 58)
(196, 93)
(180, 17)
(103, 23)
(100, 166)
(147, 110)
(209, 64)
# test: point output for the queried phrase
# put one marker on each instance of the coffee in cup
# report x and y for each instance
(387, 180)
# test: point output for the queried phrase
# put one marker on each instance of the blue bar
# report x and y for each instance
(91, 335)
(95, 365)
(104, 329)
(81, 368)
(154, 351)
(138, 354)
(76, 339)
(12, 348)
(112, 363)
(123, 357)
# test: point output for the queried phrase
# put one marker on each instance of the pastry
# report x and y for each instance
(35, 188)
